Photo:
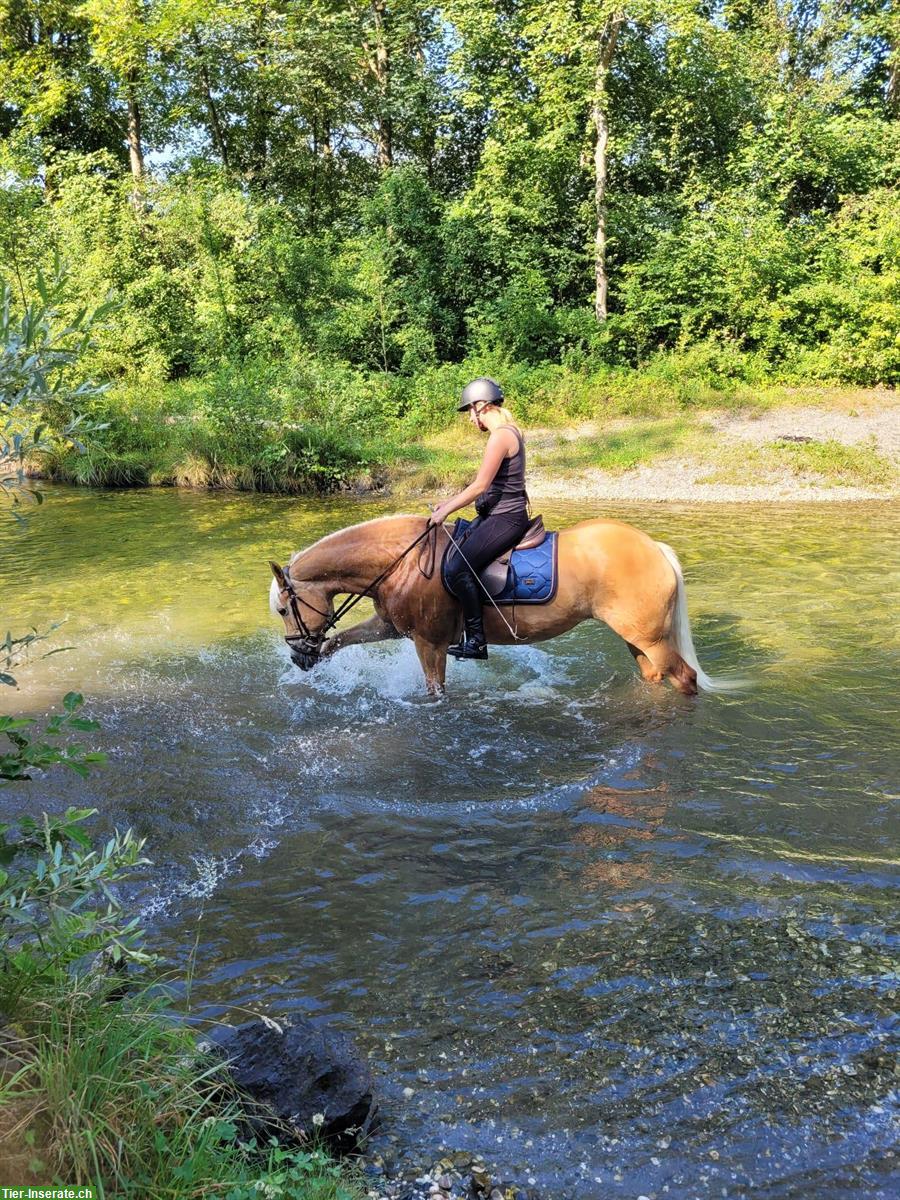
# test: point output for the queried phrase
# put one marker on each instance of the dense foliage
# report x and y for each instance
(42, 392)
(314, 212)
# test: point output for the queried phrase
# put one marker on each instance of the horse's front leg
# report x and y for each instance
(376, 629)
(434, 663)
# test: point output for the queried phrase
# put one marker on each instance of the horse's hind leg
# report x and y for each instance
(668, 664)
(648, 671)
(659, 661)
(640, 596)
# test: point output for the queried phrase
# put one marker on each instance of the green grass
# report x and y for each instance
(617, 450)
(115, 1095)
(827, 463)
(443, 461)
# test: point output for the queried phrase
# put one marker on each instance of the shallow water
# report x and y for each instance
(619, 942)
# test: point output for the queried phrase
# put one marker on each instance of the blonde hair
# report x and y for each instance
(508, 418)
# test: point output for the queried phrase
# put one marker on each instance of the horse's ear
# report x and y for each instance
(278, 573)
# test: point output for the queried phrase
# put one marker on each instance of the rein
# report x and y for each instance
(306, 634)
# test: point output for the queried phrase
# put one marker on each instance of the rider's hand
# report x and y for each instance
(437, 515)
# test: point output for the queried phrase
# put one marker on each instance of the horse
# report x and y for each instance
(608, 571)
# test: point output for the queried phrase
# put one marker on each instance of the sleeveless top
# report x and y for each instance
(506, 493)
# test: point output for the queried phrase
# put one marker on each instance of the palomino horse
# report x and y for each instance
(608, 571)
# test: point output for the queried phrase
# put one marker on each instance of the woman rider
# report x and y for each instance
(500, 501)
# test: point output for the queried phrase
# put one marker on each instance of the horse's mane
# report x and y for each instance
(395, 519)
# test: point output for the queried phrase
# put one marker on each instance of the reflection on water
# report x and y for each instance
(636, 944)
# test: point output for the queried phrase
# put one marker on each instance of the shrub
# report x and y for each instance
(56, 899)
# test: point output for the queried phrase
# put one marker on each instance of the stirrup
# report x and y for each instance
(468, 648)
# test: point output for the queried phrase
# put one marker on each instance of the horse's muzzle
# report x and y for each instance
(304, 655)
(305, 662)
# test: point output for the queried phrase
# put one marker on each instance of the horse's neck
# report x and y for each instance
(349, 560)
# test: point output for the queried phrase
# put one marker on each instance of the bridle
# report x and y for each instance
(308, 643)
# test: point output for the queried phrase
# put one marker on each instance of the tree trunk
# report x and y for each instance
(321, 148)
(215, 125)
(261, 114)
(135, 151)
(381, 69)
(605, 51)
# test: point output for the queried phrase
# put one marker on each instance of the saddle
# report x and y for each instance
(526, 574)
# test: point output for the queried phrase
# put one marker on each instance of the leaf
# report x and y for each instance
(9, 723)
(72, 700)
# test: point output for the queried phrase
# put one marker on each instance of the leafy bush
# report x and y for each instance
(56, 900)
(42, 400)
(28, 754)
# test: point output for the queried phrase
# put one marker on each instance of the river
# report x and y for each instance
(620, 942)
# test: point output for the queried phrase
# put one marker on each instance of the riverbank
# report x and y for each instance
(100, 1085)
(103, 1090)
(660, 433)
(845, 447)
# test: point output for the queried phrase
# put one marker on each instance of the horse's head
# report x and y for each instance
(307, 610)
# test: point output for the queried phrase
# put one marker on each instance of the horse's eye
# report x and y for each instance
(282, 612)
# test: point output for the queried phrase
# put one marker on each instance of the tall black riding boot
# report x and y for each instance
(473, 645)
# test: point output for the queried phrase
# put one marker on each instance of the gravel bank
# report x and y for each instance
(677, 478)
(678, 481)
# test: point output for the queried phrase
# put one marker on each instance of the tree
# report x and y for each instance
(122, 35)
(55, 96)
(606, 48)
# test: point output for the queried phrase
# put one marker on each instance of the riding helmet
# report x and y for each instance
(481, 391)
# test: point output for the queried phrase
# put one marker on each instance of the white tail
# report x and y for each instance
(684, 643)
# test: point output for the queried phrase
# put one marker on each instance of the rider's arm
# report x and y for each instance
(498, 447)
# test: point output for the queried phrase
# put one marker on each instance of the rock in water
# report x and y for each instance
(302, 1072)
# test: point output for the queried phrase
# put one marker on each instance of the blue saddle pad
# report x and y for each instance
(532, 576)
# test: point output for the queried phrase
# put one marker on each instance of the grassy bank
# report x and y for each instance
(314, 428)
(755, 442)
(99, 1085)
(113, 1094)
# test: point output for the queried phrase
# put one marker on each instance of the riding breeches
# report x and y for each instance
(486, 539)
